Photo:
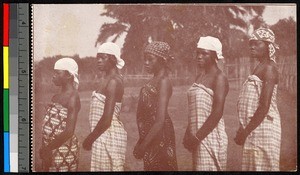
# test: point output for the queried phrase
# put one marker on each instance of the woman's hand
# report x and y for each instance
(139, 151)
(88, 143)
(240, 137)
(190, 141)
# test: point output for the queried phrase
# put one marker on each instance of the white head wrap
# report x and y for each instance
(70, 65)
(112, 49)
(211, 43)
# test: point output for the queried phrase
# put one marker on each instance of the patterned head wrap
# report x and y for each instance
(264, 34)
(69, 65)
(160, 49)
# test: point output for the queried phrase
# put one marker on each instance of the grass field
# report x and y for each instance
(178, 112)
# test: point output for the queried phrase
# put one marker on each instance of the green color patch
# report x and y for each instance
(6, 110)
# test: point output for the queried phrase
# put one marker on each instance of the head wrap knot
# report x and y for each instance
(112, 49)
(264, 34)
(160, 49)
(69, 65)
(211, 43)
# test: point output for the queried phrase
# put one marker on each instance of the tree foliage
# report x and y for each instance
(285, 32)
(87, 68)
(179, 25)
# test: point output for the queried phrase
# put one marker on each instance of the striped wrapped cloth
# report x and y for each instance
(262, 147)
(211, 154)
(64, 158)
(108, 151)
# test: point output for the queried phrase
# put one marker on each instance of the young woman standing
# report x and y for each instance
(205, 135)
(156, 144)
(260, 128)
(108, 138)
(59, 152)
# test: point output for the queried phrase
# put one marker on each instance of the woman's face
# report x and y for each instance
(205, 57)
(152, 63)
(258, 49)
(104, 61)
(60, 77)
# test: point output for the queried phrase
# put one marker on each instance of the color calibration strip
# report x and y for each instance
(6, 87)
(13, 88)
(15, 71)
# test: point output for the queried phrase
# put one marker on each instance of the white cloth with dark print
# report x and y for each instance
(65, 157)
(211, 154)
(262, 147)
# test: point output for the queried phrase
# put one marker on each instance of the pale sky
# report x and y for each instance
(275, 12)
(66, 29)
(70, 29)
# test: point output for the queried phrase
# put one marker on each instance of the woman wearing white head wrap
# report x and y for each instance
(59, 152)
(205, 135)
(69, 65)
(108, 138)
(260, 125)
(113, 50)
(214, 44)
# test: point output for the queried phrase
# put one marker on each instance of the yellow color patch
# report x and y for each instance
(5, 68)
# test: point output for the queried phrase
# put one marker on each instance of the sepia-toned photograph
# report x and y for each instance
(164, 87)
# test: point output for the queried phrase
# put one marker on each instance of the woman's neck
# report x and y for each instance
(67, 87)
(111, 72)
(263, 59)
(211, 69)
(162, 72)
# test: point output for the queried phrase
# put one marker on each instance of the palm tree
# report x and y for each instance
(179, 25)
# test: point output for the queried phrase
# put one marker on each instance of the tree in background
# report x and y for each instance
(285, 32)
(179, 25)
(43, 71)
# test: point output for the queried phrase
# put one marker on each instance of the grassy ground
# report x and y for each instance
(178, 113)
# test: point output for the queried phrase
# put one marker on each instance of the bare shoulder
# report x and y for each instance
(270, 72)
(165, 86)
(221, 78)
(115, 81)
(112, 85)
(74, 97)
(220, 82)
(165, 83)
(115, 86)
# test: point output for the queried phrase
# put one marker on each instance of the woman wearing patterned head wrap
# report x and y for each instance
(108, 138)
(156, 144)
(260, 130)
(205, 135)
(59, 150)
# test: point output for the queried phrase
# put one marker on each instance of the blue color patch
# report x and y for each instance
(6, 153)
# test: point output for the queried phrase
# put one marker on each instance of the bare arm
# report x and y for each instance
(105, 121)
(220, 93)
(270, 78)
(162, 106)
